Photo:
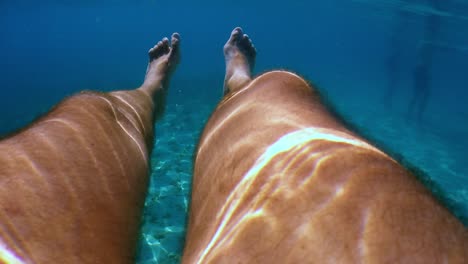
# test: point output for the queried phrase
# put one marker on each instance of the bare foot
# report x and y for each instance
(163, 59)
(239, 53)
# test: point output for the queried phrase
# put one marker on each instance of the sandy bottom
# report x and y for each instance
(437, 153)
(166, 207)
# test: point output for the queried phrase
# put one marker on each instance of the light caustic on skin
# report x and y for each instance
(231, 218)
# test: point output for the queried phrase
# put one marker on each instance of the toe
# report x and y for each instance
(246, 43)
(236, 34)
(253, 50)
(237, 30)
(154, 50)
(174, 52)
(165, 43)
(245, 40)
(175, 39)
(158, 46)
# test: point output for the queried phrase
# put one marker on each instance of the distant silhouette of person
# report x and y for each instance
(421, 72)
(393, 60)
(421, 91)
(392, 68)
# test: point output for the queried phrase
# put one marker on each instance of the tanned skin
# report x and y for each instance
(279, 179)
(73, 184)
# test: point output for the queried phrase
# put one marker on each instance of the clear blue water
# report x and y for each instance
(52, 49)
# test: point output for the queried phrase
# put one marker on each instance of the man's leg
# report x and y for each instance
(279, 179)
(72, 184)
